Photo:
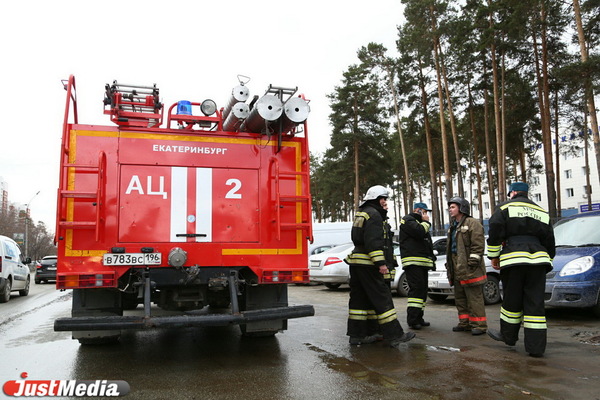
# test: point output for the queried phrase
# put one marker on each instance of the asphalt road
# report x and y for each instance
(311, 360)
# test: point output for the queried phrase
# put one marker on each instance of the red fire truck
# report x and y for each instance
(206, 214)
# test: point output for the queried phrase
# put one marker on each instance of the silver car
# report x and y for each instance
(439, 288)
(329, 268)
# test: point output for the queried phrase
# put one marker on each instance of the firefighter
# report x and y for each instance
(416, 250)
(465, 267)
(370, 260)
(521, 246)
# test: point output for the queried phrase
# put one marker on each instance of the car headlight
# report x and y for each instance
(577, 266)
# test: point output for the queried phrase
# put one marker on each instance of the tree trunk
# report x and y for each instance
(488, 147)
(356, 169)
(447, 169)
(588, 185)
(497, 121)
(407, 184)
(437, 206)
(557, 153)
(543, 88)
(589, 91)
(503, 118)
(475, 152)
(461, 191)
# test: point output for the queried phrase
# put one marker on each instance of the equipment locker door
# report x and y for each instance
(188, 204)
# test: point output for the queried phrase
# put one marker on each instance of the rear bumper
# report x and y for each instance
(181, 321)
(45, 275)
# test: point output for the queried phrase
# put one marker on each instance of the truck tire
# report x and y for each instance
(129, 301)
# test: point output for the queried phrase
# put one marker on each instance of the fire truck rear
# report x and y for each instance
(199, 219)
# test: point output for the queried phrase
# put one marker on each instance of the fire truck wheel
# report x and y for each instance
(129, 301)
(219, 300)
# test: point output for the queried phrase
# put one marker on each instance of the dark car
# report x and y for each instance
(575, 279)
(46, 270)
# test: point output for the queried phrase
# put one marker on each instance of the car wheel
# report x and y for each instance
(37, 281)
(5, 295)
(25, 291)
(491, 290)
(403, 287)
(438, 297)
(333, 286)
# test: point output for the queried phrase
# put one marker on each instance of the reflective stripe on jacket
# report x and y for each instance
(372, 239)
(415, 242)
(470, 246)
(521, 233)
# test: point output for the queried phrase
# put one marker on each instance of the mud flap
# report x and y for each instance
(260, 297)
(96, 303)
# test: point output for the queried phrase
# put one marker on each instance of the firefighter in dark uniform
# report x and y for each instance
(416, 251)
(370, 296)
(521, 246)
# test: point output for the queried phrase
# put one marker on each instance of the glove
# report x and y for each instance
(473, 263)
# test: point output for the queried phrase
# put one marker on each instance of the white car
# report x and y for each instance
(329, 267)
(439, 288)
(14, 273)
(399, 284)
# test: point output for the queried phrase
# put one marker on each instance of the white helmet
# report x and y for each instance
(375, 192)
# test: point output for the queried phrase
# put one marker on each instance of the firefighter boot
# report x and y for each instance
(355, 341)
(406, 336)
(497, 335)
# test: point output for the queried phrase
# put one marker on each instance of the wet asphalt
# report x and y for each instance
(311, 360)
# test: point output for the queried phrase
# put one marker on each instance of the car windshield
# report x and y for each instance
(578, 231)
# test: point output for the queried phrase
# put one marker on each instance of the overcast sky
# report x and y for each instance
(192, 50)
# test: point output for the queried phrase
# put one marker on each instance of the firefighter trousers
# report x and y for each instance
(469, 304)
(371, 307)
(416, 276)
(523, 302)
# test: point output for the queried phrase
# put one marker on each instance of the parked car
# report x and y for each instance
(14, 272)
(575, 279)
(329, 267)
(399, 284)
(439, 288)
(322, 248)
(46, 270)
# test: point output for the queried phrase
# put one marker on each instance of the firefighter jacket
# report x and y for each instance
(372, 238)
(521, 233)
(416, 247)
(470, 247)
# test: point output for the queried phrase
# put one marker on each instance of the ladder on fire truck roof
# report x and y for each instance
(304, 200)
(67, 197)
